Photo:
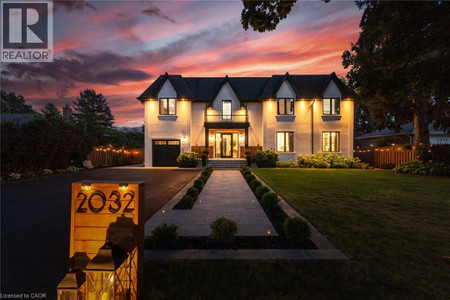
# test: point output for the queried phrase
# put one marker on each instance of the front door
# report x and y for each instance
(226, 145)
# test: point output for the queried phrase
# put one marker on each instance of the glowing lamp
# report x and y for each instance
(108, 274)
(86, 186)
(241, 138)
(72, 286)
(123, 186)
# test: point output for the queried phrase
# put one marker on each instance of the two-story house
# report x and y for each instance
(291, 114)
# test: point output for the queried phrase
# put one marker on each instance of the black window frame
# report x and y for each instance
(331, 106)
(285, 101)
(167, 102)
(338, 135)
(286, 133)
(230, 116)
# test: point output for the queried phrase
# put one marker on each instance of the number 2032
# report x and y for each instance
(113, 207)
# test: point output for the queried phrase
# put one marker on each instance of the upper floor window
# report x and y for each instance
(330, 141)
(285, 141)
(167, 106)
(331, 106)
(226, 109)
(285, 106)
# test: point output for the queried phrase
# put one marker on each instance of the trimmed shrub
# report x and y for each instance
(243, 168)
(286, 164)
(185, 203)
(331, 160)
(266, 159)
(254, 184)
(204, 178)
(389, 166)
(209, 169)
(419, 167)
(164, 236)
(199, 184)
(223, 231)
(246, 172)
(193, 192)
(187, 159)
(297, 230)
(206, 173)
(250, 177)
(261, 190)
(270, 200)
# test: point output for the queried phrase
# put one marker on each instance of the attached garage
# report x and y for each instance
(165, 153)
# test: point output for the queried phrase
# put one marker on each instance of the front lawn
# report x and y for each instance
(395, 226)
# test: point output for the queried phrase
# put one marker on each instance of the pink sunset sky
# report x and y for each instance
(119, 48)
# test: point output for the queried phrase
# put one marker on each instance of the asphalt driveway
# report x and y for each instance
(35, 222)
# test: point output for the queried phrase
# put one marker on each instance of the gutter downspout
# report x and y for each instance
(312, 126)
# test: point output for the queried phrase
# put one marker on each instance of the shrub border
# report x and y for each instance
(195, 199)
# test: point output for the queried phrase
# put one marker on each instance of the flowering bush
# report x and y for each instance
(187, 159)
(322, 160)
(419, 167)
(15, 176)
(266, 159)
(286, 164)
(47, 171)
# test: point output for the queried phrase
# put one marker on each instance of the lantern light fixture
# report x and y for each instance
(72, 286)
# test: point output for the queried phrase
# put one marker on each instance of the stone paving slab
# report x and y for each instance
(226, 194)
(246, 254)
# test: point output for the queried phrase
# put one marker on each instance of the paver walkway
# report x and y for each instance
(225, 194)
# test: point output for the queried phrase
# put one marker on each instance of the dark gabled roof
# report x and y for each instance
(247, 88)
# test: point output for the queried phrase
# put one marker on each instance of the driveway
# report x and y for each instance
(35, 222)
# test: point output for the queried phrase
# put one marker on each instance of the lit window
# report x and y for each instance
(331, 106)
(330, 141)
(285, 106)
(226, 109)
(167, 106)
(285, 141)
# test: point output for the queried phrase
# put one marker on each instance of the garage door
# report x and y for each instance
(165, 153)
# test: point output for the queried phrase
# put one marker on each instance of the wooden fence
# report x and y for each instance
(101, 157)
(385, 155)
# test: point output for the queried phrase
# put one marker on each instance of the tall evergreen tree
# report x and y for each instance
(51, 112)
(10, 103)
(92, 114)
(400, 64)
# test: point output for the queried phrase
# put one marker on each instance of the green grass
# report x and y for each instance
(396, 227)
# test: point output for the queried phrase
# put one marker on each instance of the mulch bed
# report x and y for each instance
(241, 242)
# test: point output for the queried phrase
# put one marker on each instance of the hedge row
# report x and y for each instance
(192, 193)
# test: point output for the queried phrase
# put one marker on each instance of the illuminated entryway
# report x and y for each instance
(227, 143)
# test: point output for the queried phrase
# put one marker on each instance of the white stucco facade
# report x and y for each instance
(193, 123)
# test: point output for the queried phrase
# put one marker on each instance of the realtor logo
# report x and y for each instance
(27, 31)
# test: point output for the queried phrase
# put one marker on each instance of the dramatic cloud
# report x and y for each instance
(73, 5)
(155, 11)
(119, 47)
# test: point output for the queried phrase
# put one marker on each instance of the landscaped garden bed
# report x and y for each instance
(241, 242)
(192, 193)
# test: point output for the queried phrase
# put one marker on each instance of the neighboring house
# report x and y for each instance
(405, 136)
(18, 119)
(292, 114)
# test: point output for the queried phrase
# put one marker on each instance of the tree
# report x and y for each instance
(51, 113)
(400, 64)
(14, 104)
(92, 114)
(265, 15)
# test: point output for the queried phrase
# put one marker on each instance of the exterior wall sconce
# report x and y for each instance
(72, 287)
(211, 138)
(184, 139)
(108, 274)
(241, 138)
